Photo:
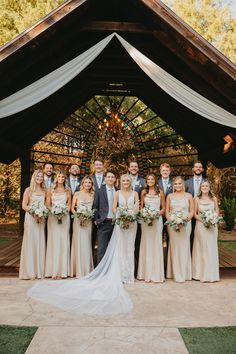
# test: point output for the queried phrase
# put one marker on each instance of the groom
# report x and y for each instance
(103, 215)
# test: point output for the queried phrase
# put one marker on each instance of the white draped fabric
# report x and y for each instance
(52, 82)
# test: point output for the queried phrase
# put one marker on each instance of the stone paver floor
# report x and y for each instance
(152, 327)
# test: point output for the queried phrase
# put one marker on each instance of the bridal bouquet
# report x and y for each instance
(124, 217)
(59, 211)
(147, 215)
(39, 210)
(210, 218)
(177, 220)
(84, 213)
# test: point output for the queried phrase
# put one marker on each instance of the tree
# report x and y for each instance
(212, 20)
(18, 15)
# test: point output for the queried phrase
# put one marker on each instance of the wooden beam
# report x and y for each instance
(113, 26)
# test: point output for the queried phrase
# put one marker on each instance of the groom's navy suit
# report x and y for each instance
(105, 225)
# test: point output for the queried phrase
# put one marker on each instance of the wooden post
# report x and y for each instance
(25, 181)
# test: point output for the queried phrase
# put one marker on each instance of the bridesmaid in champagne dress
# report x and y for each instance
(126, 197)
(58, 243)
(32, 260)
(151, 263)
(179, 257)
(81, 251)
(205, 261)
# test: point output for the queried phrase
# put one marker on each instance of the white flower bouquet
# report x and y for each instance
(210, 218)
(124, 217)
(39, 211)
(177, 220)
(147, 215)
(59, 211)
(84, 213)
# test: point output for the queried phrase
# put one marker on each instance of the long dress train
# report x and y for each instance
(101, 291)
(205, 262)
(151, 262)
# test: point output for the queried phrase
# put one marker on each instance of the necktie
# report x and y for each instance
(99, 180)
(197, 184)
(165, 185)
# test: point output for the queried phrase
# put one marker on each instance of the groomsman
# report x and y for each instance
(48, 174)
(73, 179)
(98, 179)
(165, 182)
(166, 185)
(104, 215)
(138, 184)
(192, 186)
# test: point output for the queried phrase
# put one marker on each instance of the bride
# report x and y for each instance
(101, 291)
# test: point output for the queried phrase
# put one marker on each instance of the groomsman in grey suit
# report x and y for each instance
(138, 184)
(98, 179)
(192, 186)
(48, 174)
(73, 178)
(165, 183)
(104, 215)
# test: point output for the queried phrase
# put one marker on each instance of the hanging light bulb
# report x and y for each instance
(104, 120)
(99, 126)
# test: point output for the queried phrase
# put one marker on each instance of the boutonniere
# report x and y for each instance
(103, 183)
(137, 183)
(168, 185)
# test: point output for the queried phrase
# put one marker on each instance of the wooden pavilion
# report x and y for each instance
(156, 32)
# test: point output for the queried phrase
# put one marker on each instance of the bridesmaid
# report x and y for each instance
(58, 243)
(205, 249)
(81, 251)
(32, 260)
(179, 257)
(151, 263)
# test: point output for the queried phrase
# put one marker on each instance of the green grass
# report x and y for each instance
(15, 340)
(216, 340)
(229, 245)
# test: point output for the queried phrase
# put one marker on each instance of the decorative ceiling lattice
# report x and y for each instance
(117, 129)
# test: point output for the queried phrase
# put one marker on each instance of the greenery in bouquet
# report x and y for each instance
(39, 211)
(59, 211)
(177, 220)
(124, 217)
(147, 215)
(84, 213)
(210, 218)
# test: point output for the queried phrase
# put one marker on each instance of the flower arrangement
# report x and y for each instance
(59, 211)
(147, 215)
(38, 210)
(177, 220)
(84, 213)
(124, 217)
(210, 218)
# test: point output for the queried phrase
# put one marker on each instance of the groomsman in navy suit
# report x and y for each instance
(48, 175)
(103, 204)
(192, 186)
(138, 184)
(165, 183)
(73, 179)
(98, 179)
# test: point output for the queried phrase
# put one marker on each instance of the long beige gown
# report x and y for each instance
(32, 259)
(205, 262)
(58, 243)
(151, 263)
(81, 250)
(179, 256)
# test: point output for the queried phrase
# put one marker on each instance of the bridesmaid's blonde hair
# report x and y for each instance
(211, 193)
(178, 178)
(92, 190)
(129, 178)
(33, 181)
(55, 183)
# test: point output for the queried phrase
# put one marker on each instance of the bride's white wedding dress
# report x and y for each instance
(101, 291)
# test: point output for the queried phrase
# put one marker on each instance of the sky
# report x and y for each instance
(232, 5)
